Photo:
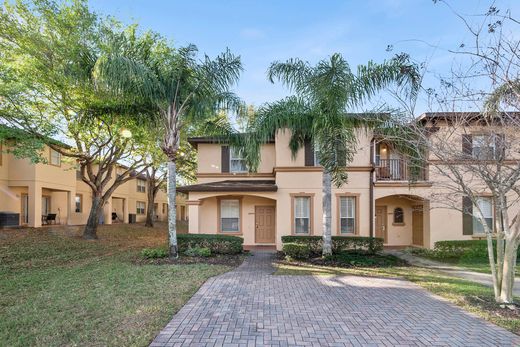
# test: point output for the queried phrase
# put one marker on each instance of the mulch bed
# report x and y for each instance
(232, 260)
(355, 261)
(488, 304)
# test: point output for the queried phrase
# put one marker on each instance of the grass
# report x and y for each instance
(471, 296)
(57, 289)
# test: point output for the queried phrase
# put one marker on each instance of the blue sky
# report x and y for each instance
(266, 30)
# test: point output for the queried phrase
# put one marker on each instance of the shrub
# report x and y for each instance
(217, 244)
(339, 243)
(153, 253)
(198, 252)
(296, 250)
(465, 249)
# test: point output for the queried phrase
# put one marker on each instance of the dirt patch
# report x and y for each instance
(232, 260)
(489, 305)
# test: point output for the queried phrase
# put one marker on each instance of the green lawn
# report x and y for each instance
(57, 289)
(471, 296)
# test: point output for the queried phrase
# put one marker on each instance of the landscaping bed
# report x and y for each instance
(233, 260)
(346, 259)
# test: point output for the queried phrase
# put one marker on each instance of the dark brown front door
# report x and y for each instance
(381, 222)
(417, 226)
(264, 224)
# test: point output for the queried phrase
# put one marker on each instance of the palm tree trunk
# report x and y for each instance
(327, 213)
(172, 205)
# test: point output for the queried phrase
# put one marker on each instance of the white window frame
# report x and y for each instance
(236, 157)
(351, 214)
(140, 207)
(223, 214)
(302, 213)
(55, 157)
(141, 185)
(478, 228)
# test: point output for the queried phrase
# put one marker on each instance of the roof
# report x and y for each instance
(17, 133)
(232, 186)
(457, 115)
(194, 141)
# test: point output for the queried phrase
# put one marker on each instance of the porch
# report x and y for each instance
(402, 220)
(391, 166)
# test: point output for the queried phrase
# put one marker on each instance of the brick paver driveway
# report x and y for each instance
(249, 306)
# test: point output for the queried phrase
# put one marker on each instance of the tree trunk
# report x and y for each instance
(150, 206)
(491, 256)
(508, 272)
(90, 231)
(172, 205)
(327, 213)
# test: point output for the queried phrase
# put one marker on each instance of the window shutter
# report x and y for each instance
(309, 153)
(224, 164)
(467, 144)
(467, 216)
(501, 146)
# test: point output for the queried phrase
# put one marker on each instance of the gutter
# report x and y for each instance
(371, 188)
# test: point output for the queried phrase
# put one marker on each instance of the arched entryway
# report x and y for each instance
(402, 220)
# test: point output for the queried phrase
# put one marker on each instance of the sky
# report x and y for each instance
(264, 31)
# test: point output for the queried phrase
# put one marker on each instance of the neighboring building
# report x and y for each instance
(55, 188)
(284, 197)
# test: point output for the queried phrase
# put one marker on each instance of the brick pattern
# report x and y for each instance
(250, 307)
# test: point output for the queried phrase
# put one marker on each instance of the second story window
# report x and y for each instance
(484, 146)
(237, 162)
(55, 158)
(141, 185)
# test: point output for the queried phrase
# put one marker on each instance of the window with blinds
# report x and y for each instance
(302, 214)
(485, 205)
(347, 214)
(236, 161)
(230, 216)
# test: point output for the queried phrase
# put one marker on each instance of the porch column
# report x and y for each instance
(108, 211)
(193, 208)
(125, 210)
(35, 205)
(70, 207)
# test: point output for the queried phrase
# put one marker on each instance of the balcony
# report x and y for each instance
(396, 170)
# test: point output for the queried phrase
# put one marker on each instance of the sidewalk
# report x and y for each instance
(452, 270)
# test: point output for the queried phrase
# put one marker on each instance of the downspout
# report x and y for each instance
(371, 188)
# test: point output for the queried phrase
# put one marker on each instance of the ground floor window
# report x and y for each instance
(140, 207)
(485, 204)
(347, 214)
(78, 203)
(230, 215)
(302, 214)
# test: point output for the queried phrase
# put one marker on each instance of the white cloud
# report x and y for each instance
(252, 33)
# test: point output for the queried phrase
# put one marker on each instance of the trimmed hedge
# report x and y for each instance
(198, 252)
(296, 250)
(217, 244)
(463, 248)
(339, 243)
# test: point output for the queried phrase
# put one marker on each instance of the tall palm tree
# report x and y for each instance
(182, 89)
(325, 95)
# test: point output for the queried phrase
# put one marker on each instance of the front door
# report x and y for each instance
(265, 224)
(417, 226)
(381, 222)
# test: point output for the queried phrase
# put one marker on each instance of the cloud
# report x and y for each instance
(252, 33)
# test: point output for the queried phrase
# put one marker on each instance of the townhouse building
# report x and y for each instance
(53, 192)
(284, 196)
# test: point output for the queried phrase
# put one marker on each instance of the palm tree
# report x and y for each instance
(325, 95)
(182, 89)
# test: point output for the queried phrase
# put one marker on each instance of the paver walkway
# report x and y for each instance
(451, 270)
(249, 306)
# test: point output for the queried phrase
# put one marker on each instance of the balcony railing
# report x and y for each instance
(397, 170)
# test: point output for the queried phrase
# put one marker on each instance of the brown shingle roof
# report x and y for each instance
(232, 186)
